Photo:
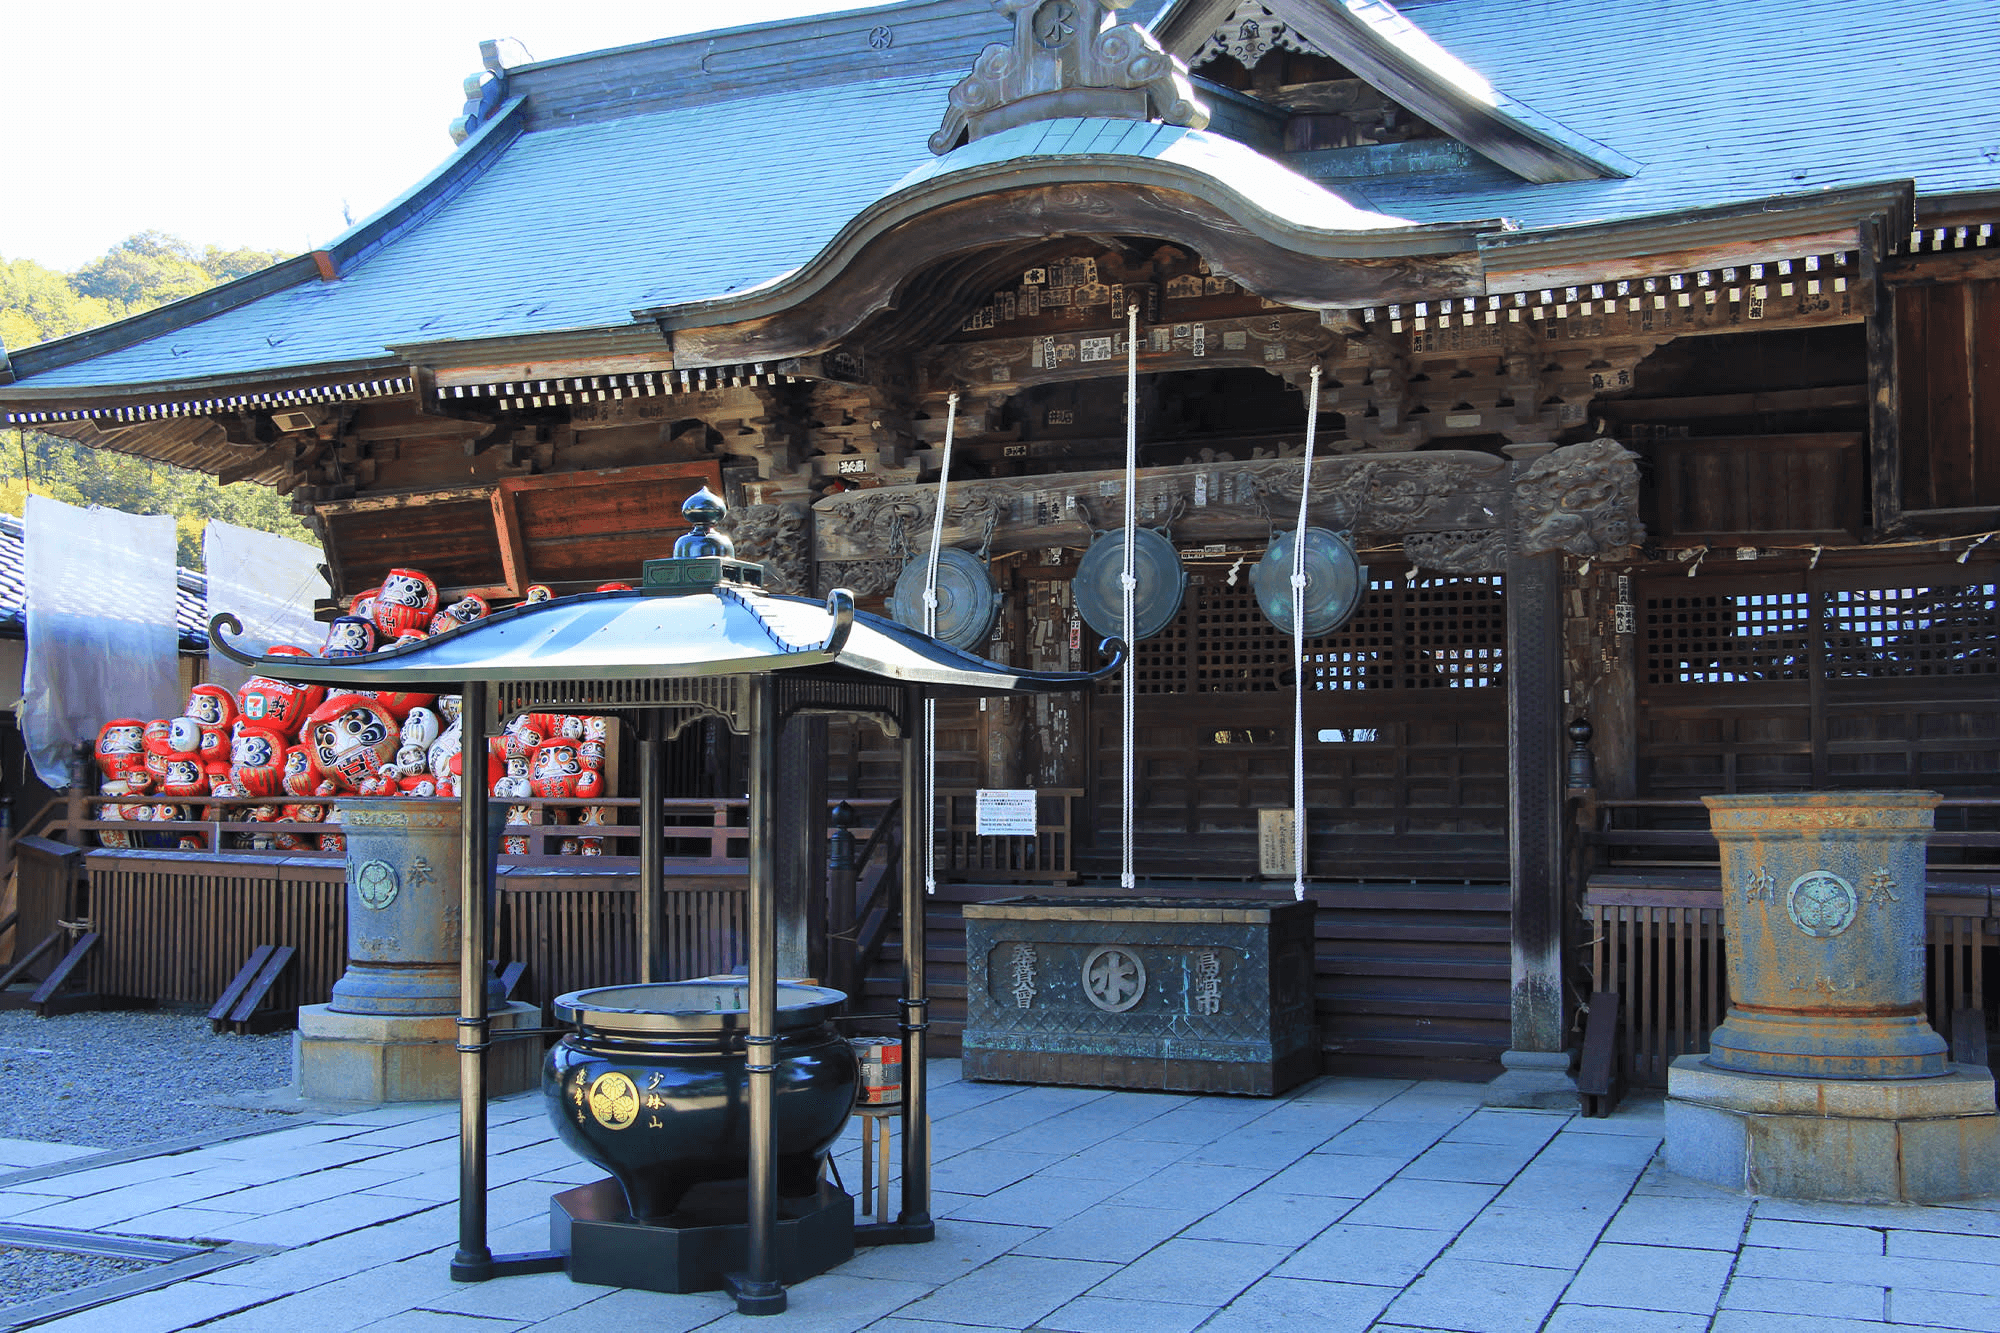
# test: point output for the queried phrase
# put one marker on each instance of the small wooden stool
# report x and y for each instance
(876, 1131)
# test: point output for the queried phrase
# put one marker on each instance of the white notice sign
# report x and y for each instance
(1006, 813)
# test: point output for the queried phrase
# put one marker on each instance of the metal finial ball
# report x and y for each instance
(704, 509)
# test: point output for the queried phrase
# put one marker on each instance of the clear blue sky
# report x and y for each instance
(243, 124)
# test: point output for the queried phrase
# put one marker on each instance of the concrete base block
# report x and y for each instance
(1858, 1141)
(375, 1058)
(1538, 1080)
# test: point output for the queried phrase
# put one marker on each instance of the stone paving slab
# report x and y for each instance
(1352, 1205)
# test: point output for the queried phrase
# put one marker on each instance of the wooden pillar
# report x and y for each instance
(1614, 705)
(474, 1260)
(1537, 1067)
(801, 848)
(1885, 457)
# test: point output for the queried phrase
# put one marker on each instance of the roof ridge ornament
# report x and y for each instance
(1250, 33)
(1069, 58)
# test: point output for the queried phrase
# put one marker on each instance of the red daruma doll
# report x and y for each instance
(278, 705)
(300, 778)
(405, 602)
(121, 748)
(212, 707)
(257, 761)
(555, 771)
(351, 740)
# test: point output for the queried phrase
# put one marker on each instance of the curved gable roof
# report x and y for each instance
(1405, 62)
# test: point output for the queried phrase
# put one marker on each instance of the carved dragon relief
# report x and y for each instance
(1375, 494)
(1454, 511)
(1457, 552)
(779, 537)
(863, 578)
(1068, 58)
(1581, 498)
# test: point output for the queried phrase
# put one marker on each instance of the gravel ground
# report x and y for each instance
(123, 1078)
(29, 1275)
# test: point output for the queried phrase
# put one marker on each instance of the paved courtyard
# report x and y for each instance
(1353, 1204)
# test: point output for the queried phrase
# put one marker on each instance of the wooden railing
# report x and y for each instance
(965, 855)
(174, 924)
(1652, 904)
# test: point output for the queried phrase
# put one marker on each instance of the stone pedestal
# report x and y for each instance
(384, 1058)
(1537, 1080)
(1853, 1140)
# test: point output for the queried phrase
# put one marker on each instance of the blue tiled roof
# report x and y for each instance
(577, 225)
(190, 594)
(1261, 180)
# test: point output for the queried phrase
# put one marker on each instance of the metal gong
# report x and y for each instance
(1155, 601)
(1335, 580)
(967, 603)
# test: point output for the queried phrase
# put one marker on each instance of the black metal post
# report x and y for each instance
(474, 1260)
(915, 1217)
(652, 846)
(840, 923)
(757, 1290)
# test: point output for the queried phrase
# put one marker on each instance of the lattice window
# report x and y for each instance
(1711, 638)
(1909, 631)
(1438, 633)
(1729, 637)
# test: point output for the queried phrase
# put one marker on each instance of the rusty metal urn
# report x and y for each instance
(1823, 906)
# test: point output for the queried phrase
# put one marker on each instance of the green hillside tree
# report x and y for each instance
(143, 271)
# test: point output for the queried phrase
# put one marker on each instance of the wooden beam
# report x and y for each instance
(513, 554)
(367, 504)
(704, 471)
(1949, 266)
(1885, 457)
(1694, 259)
(1733, 404)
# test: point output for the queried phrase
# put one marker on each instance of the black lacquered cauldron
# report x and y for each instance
(651, 1086)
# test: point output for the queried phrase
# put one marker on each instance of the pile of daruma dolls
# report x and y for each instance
(305, 747)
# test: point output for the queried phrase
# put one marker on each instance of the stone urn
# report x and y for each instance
(1823, 905)
(402, 907)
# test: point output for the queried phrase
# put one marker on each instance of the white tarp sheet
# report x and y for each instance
(101, 637)
(266, 581)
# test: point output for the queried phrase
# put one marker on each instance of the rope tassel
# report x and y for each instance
(1128, 582)
(930, 628)
(1299, 649)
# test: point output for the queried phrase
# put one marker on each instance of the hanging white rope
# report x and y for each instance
(1128, 582)
(1299, 650)
(930, 628)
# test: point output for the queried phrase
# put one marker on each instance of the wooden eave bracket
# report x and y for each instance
(1401, 61)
